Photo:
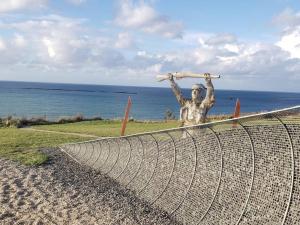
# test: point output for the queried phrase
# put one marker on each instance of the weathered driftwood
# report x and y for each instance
(181, 75)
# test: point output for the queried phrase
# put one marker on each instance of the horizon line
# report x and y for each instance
(43, 82)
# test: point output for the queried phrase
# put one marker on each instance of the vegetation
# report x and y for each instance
(11, 121)
(23, 146)
(169, 115)
(109, 128)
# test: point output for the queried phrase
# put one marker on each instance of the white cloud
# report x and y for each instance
(19, 40)
(235, 58)
(2, 45)
(289, 21)
(221, 39)
(144, 17)
(124, 40)
(57, 43)
(77, 2)
(232, 47)
(12, 51)
(290, 42)
(50, 47)
(14, 5)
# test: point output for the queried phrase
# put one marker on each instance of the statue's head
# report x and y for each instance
(198, 92)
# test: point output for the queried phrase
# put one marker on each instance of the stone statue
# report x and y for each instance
(193, 111)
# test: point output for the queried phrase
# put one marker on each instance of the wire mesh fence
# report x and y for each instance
(237, 171)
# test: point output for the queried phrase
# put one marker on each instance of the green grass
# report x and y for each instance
(23, 146)
(109, 128)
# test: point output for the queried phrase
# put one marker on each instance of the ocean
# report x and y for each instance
(54, 101)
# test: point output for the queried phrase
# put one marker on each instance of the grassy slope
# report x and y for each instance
(23, 146)
(107, 128)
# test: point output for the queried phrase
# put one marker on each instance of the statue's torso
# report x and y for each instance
(192, 113)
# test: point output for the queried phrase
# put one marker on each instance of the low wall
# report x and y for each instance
(244, 171)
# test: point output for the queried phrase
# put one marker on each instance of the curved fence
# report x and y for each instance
(237, 171)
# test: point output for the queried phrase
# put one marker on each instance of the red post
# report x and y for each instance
(237, 111)
(125, 120)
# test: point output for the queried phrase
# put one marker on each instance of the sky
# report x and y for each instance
(253, 45)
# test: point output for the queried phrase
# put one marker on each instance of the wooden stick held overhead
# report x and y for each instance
(181, 75)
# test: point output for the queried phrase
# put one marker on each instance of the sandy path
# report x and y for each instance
(61, 192)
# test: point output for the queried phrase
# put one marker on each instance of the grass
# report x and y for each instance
(23, 146)
(109, 128)
(112, 128)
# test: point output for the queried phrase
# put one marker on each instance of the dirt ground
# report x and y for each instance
(62, 192)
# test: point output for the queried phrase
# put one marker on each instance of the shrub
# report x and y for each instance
(78, 118)
(169, 115)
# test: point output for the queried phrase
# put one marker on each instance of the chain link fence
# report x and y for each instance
(237, 171)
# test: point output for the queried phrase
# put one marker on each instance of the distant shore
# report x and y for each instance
(18, 122)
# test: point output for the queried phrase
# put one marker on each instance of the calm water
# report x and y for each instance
(57, 100)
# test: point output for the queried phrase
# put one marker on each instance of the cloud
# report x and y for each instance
(77, 2)
(2, 45)
(57, 43)
(12, 51)
(19, 40)
(289, 22)
(144, 17)
(287, 19)
(290, 42)
(221, 39)
(14, 5)
(232, 57)
(124, 40)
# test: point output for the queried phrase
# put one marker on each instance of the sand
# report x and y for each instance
(62, 192)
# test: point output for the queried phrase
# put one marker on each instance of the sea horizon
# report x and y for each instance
(58, 100)
(188, 88)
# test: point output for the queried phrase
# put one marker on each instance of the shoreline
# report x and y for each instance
(21, 122)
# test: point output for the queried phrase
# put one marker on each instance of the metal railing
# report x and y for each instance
(235, 171)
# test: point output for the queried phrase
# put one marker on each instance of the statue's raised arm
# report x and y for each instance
(176, 90)
(193, 110)
(209, 99)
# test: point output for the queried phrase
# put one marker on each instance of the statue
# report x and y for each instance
(193, 111)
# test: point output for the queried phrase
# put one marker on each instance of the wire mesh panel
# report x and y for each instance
(134, 162)
(89, 154)
(104, 150)
(147, 166)
(268, 197)
(237, 171)
(181, 174)
(163, 169)
(95, 159)
(206, 179)
(293, 214)
(123, 158)
(290, 120)
(236, 175)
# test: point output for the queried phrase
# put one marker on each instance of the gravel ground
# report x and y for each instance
(63, 192)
